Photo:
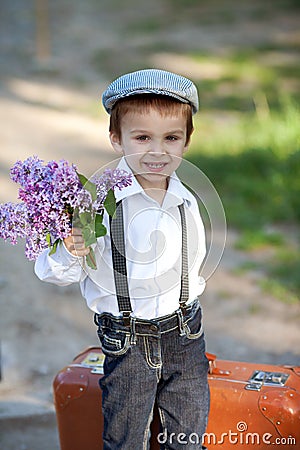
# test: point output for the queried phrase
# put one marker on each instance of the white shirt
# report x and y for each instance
(153, 243)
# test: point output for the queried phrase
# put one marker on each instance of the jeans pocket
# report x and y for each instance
(194, 326)
(113, 342)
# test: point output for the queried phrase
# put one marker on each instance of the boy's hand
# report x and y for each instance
(75, 243)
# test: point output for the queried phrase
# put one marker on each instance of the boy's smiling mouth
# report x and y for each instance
(155, 166)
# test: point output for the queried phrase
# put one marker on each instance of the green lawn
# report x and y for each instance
(254, 163)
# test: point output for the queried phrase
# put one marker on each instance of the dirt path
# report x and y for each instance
(43, 326)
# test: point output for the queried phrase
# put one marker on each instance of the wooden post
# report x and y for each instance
(42, 30)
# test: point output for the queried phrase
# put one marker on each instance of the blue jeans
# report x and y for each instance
(160, 361)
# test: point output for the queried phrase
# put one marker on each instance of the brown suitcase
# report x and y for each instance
(252, 406)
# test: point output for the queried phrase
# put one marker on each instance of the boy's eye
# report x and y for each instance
(142, 138)
(171, 138)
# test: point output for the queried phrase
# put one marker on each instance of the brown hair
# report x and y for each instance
(141, 103)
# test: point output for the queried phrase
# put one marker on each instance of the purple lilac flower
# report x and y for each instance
(14, 225)
(35, 244)
(13, 221)
(50, 193)
(28, 171)
(110, 179)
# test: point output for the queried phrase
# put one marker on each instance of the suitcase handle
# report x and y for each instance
(213, 369)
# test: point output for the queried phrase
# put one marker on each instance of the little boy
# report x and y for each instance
(145, 291)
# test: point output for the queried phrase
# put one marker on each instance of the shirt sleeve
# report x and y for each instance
(61, 268)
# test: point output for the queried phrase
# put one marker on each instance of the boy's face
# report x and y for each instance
(153, 146)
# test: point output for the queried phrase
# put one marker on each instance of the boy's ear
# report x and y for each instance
(186, 147)
(115, 142)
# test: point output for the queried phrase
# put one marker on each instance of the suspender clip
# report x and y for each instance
(126, 318)
(183, 308)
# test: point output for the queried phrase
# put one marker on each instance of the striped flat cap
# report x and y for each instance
(151, 81)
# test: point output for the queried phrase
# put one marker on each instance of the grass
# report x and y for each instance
(253, 160)
(249, 75)
(284, 270)
(259, 239)
(281, 269)
(279, 291)
(254, 164)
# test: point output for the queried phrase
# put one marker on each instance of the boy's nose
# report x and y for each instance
(156, 153)
(156, 149)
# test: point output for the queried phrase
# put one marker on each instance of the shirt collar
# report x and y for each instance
(177, 189)
(175, 195)
(133, 188)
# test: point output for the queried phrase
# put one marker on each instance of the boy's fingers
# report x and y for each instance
(76, 232)
(77, 239)
(80, 252)
(77, 244)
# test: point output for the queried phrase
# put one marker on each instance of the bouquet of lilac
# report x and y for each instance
(54, 198)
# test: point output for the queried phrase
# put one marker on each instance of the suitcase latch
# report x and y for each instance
(95, 362)
(261, 378)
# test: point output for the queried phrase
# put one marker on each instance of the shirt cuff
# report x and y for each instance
(66, 257)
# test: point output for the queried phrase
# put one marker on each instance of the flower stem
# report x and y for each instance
(91, 259)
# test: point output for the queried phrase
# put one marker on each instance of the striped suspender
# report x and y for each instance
(184, 291)
(119, 263)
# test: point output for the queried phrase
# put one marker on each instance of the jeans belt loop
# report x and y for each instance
(132, 331)
(180, 322)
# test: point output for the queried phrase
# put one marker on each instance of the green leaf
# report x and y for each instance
(88, 234)
(48, 239)
(88, 185)
(100, 229)
(85, 218)
(110, 203)
(54, 247)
